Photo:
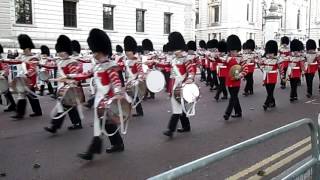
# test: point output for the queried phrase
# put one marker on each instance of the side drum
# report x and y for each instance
(71, 95)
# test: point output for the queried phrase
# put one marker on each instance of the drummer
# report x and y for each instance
(182, 72)
(310, 65)
(27, 69)
(201, 53)
(68, 73)
(222, 71)
(4, 72)
(108, 84)
(150, 56)
(164, 65)
(249, 57)
(46, 64)
(211, 54)
(119, 59)
(133, 68)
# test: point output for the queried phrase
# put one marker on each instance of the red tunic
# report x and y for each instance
(231, 61)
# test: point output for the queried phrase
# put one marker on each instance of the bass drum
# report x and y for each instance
(190, 93)
(136, 89)
(155, 81)
(113, 109)
(4, 86)
(71, 95)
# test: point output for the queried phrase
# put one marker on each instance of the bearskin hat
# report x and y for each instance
(130, 44)
(63, 44)
(1, 49)
(271, 47)
(191, 45)
(244, 46)
(301, 46)
(311, 45)
(222, 46)
(140, 49)
(233, 43)
(165, 48)
(147, 45)
(285, 40)
(250, 44)
(119, 49)
(176, 41)
(213, 43)
(99, 41)
(76, 47)
(45, 50)
(25, 41)
(203, 44)
(295, 45)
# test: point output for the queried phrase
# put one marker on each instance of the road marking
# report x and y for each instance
(282, 163)
(268, 160)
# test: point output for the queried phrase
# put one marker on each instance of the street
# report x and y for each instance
(147, 151)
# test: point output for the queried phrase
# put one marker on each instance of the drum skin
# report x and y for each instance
(155, 81)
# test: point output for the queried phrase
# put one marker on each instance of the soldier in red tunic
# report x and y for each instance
(201, 52)
(46, 64)
(212, 54)
(119, 58)
(233, 81)
(108, 85)
(182, 72)
(295, 68)
(28, 69)
(269, 65)
(311, 65)
(249, 57)
(68, 70)
(148, 53)
(284, 59)
(4, 73)
(222, 71)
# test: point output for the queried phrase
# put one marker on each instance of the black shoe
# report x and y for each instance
(224, 97)
(9, 109)
(168, 133)
(207, 84)
(291, 99)
(17, 117)
(115, 148)
(295, 98)
(137, 115)
(265, 107)
(245, 94)
(211, 88)
(251, 93)
(236, 116)
(309, 95)
(216, 98)
(182, 130)
(50, 129)
(226, 117)
(35, 114)
(272, 105)
(86, 156)
(75, 127)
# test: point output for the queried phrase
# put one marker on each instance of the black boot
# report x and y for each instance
(41, 90)
(94, 148)
(115, 148)
(50, 88)
(21, 109)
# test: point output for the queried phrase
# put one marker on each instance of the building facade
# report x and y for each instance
(44, 21)
(260, 20)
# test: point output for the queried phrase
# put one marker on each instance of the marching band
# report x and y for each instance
(120, 82)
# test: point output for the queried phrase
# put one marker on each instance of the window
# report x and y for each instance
(216, 36)
(197, 16)
(248, 12)
(23, 11)
(70, 13)
(167, 23)
(298, 19)
(108, 17)
(214, 14)
(140, 20)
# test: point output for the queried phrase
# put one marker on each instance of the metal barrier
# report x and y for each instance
(215, 157)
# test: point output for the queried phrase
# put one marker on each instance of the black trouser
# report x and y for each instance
(34, 102)
(172, 126)
(50, 88)
(222, 88)
(90, 101)
(139, 108)
(203, 74)
(115, 140)
(167, 78)
(214, 79)
(234, 101)
(73, 115)
(294, 86)
(249, 84)
(270, 98)
(10, 100)
(309, 80)
(209, 78)
(121, 77)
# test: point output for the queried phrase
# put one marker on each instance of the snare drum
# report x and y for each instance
(155, 81)
(71, 95)
(136, 87)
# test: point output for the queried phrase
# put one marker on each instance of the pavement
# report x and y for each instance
(29, 152)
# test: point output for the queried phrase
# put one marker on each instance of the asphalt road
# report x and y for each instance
(148, 152)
